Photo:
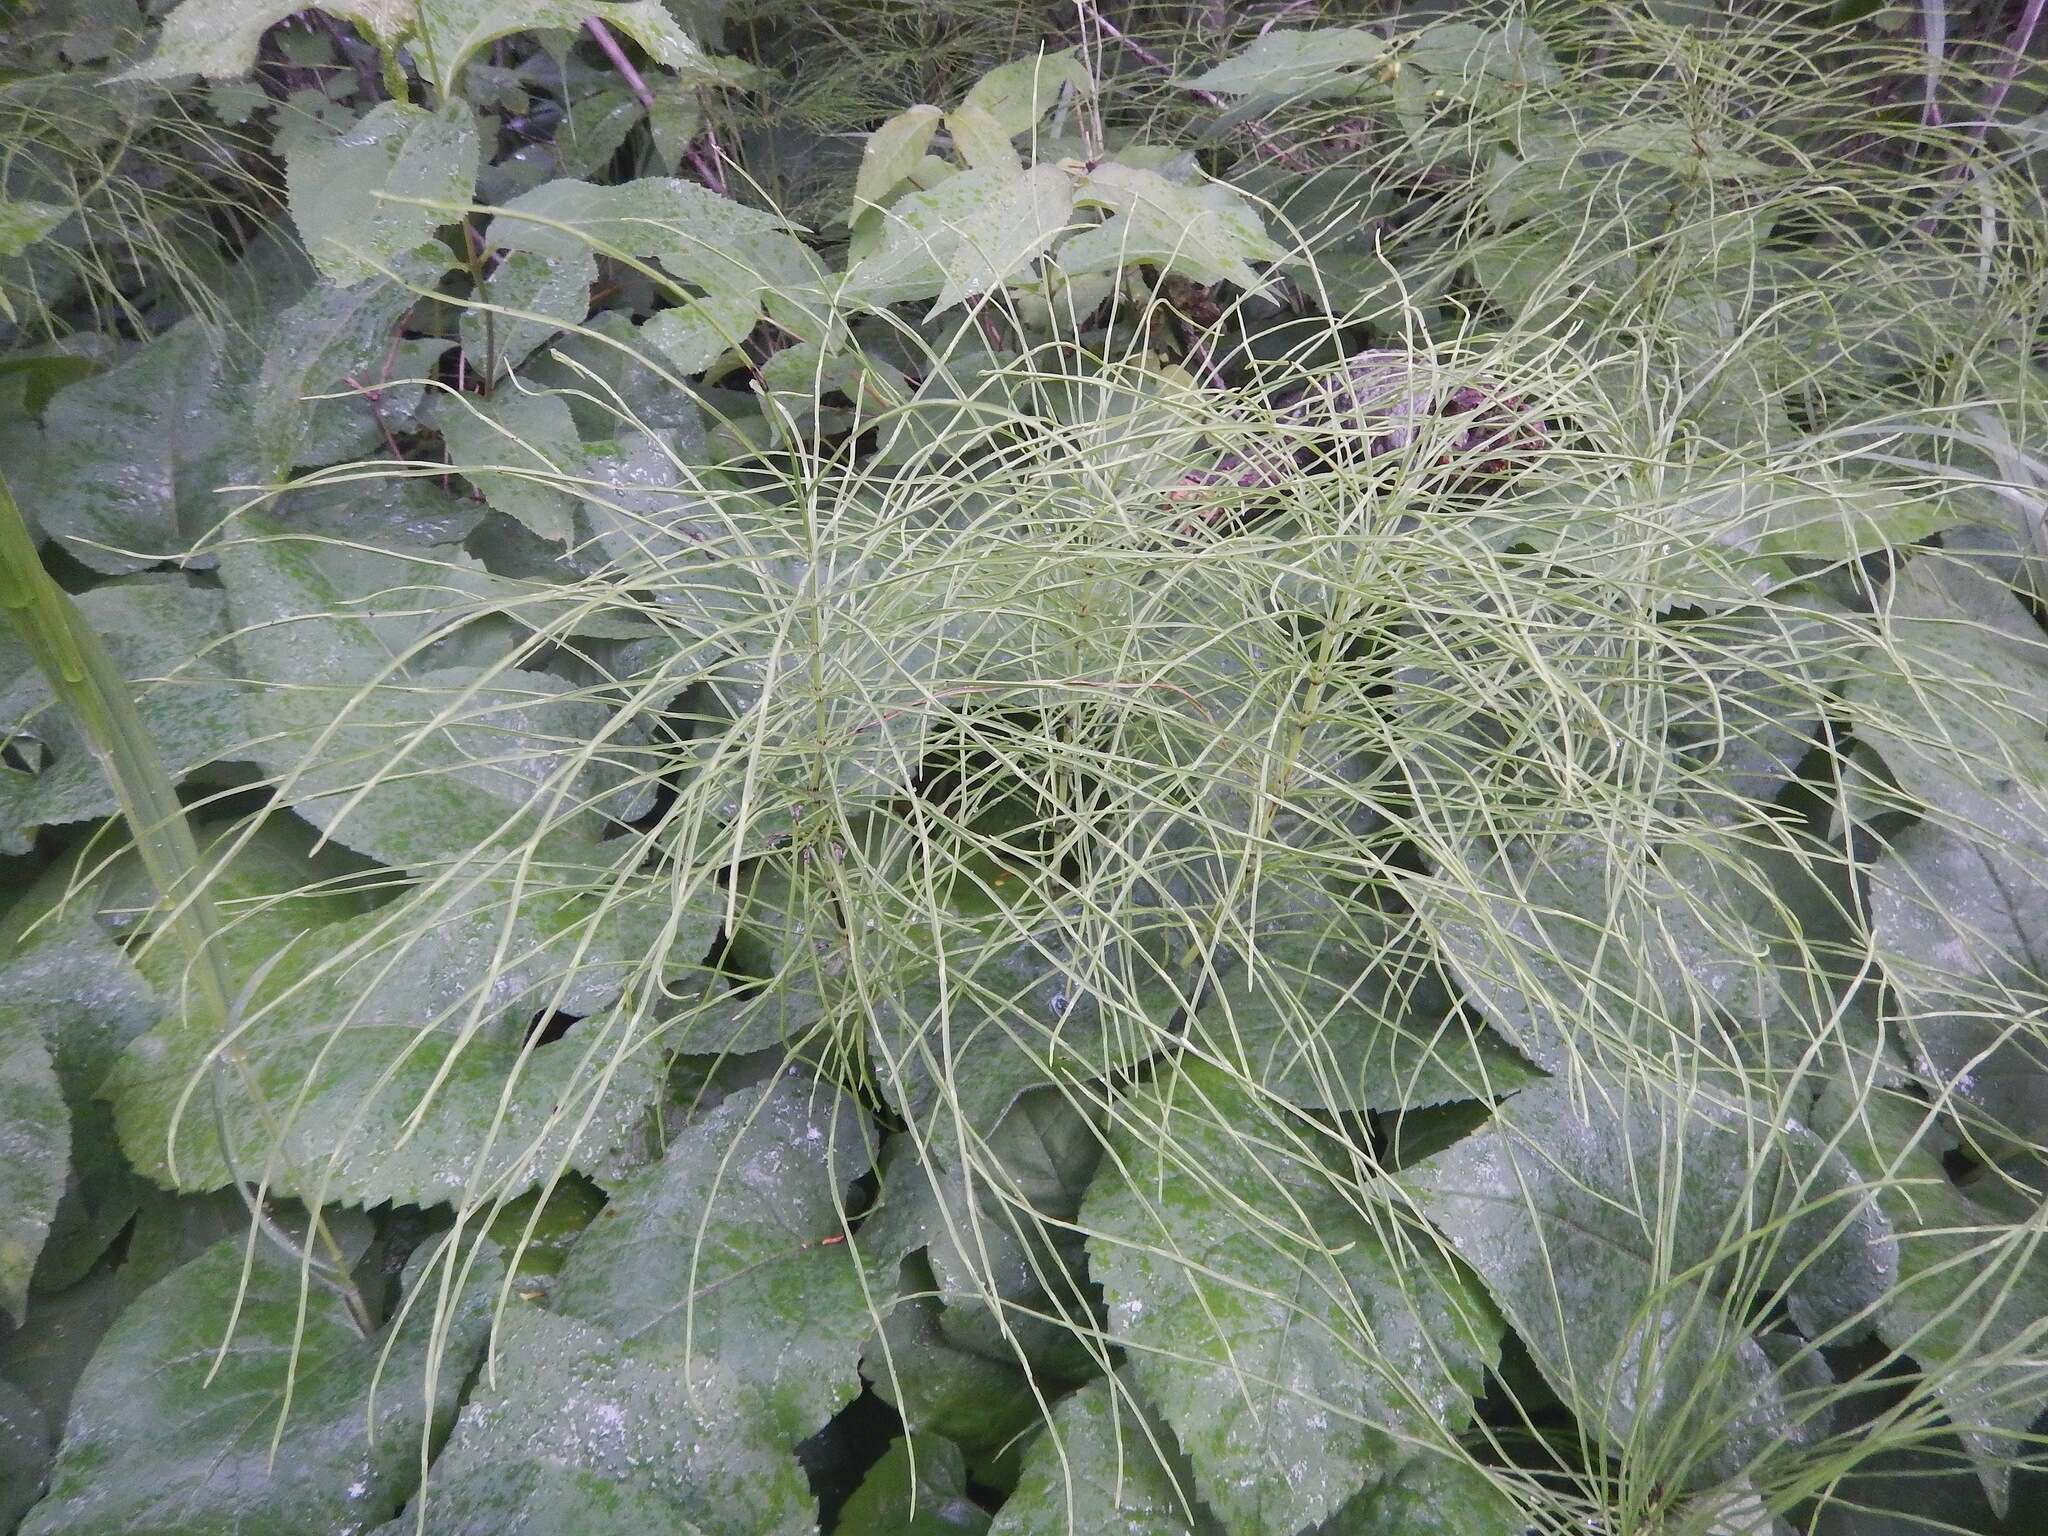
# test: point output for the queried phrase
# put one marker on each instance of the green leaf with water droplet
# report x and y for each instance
(130, 458)
(1016, 95)
(355, 194)
(565, 1407)
(1291, 1346)
(161, 1439)
(966, 236)
(533, 437)
(388, 753)
(1104, 1463)
(1959, 901)
(1601, 1212)
(218, 39)
(1431, 1495)
(734, 1248)
(1206, 232)
(694, 335)
(695, 235)
(391, 1051)
(1970, 1289)
(891, 153)
(35, 1149)
(1335, 1009)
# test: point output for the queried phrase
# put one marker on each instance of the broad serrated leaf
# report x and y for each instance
(169, 1433)
(1337, 1010)
(967, 236)
(564, 1399)
(354, 194)
(1294, 1351)
(308, 400)
(996, 1229)
(448, 33)
(1208, 232)
(1951, 693)
(72, 984)
(1952, 696)
(918, 1488)
(410, 763)
(1673, 146)
(733, 1251)
(35, 1149)
(985, 1406)
(1577, 949)
(1329, 61)
(391, 1050)
(1103, 1464)
(1960, 922)
(1603, 1217)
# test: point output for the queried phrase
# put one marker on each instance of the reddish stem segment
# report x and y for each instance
(2016, 50)
(633, 78)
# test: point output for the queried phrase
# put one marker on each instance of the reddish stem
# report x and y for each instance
(2016, 50)
(634, 82)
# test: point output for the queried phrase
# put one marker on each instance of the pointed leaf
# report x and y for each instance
(1329, 61)
(534, 438)
(131, 458)
(695, 335)
(966, 236)
(1016, 95)
(391, 1052)
(1970, 1290)
(891, 153)
(1588, 1212)
(1207, 233)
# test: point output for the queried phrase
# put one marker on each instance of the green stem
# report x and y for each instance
(83, 677)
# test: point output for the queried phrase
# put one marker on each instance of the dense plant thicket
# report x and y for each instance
(1166, 768)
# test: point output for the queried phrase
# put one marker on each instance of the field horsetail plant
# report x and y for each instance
(1183, 769)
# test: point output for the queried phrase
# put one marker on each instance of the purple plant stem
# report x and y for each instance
(707, 170)
(2016, 50)
(624, 65)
